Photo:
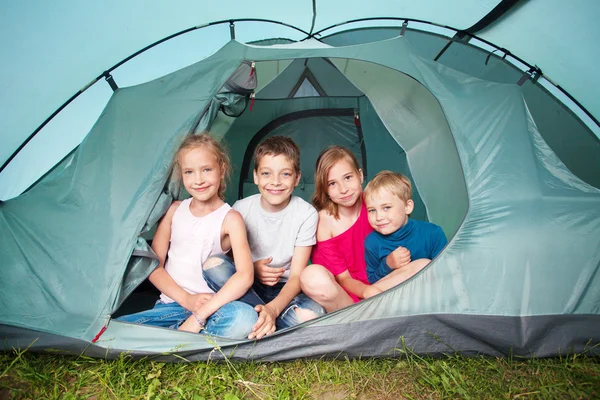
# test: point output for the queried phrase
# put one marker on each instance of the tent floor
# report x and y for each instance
(142, 298)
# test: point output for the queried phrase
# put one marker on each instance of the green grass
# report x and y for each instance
(47, 376)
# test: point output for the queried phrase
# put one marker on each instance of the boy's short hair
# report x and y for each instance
(275, 146)
(393, 182)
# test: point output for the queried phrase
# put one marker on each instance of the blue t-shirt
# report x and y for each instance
(422, 239)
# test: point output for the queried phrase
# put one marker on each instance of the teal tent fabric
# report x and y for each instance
(62, 48)
(520, 272)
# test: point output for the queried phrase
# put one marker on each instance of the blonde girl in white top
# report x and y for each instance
(191, 241)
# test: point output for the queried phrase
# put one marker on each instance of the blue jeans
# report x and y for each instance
(261, 294)
(233, 320)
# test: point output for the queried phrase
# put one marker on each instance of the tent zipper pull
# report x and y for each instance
(95, 339)
(252, 68)
(251, 100)
(356, 118)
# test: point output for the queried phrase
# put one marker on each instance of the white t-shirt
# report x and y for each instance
(276, 234)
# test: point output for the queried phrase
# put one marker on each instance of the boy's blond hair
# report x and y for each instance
(275, 146)
(393, 182)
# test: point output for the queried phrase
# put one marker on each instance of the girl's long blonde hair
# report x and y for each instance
(327, 159)
(205, 140)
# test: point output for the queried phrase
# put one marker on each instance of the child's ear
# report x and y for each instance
(362, 177)
(298, 176)
(255, 178)
(410, 206)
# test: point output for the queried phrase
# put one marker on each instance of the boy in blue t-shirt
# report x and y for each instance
(399, 247)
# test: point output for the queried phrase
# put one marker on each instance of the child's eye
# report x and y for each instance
(386, 208)
(331, 183)
(207, 169)
(371, 211)
(348, 177)
(187, 172)
(287, 174)
(264, 173)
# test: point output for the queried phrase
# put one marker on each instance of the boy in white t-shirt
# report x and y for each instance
(281, 231)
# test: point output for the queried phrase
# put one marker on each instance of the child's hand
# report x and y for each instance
(190, 325)
(195, 301)
(265, 324)
(398, 258)
(267, 275)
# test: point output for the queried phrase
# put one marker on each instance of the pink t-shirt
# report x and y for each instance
(346, 251)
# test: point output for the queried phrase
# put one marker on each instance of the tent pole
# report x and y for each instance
(312, 26)
(106, 73)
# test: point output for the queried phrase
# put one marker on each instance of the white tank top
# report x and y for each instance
(193, 240)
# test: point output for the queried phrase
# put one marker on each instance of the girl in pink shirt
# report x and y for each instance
(338, 277)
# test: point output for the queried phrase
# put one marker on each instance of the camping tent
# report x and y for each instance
(484, 142)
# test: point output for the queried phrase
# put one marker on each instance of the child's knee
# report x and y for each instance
(313, 277)
(307, 308)
(246, 319)
(318, 283)
(217, 270)
(306, 314)
(216, 261)
(233, 320)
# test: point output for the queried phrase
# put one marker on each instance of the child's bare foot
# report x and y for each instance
(191, 325)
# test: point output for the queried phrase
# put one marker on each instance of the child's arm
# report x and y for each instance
(379, 267)
(160, 277)
(240, 281)
(352, 285)
(376, 269)
(268, 313)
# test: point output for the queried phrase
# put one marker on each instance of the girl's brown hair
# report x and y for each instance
(205, 140)
(325, 162)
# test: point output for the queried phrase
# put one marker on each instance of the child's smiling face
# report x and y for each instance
(201, 173)
(387, 212)
(344, 184)
(276, 179)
